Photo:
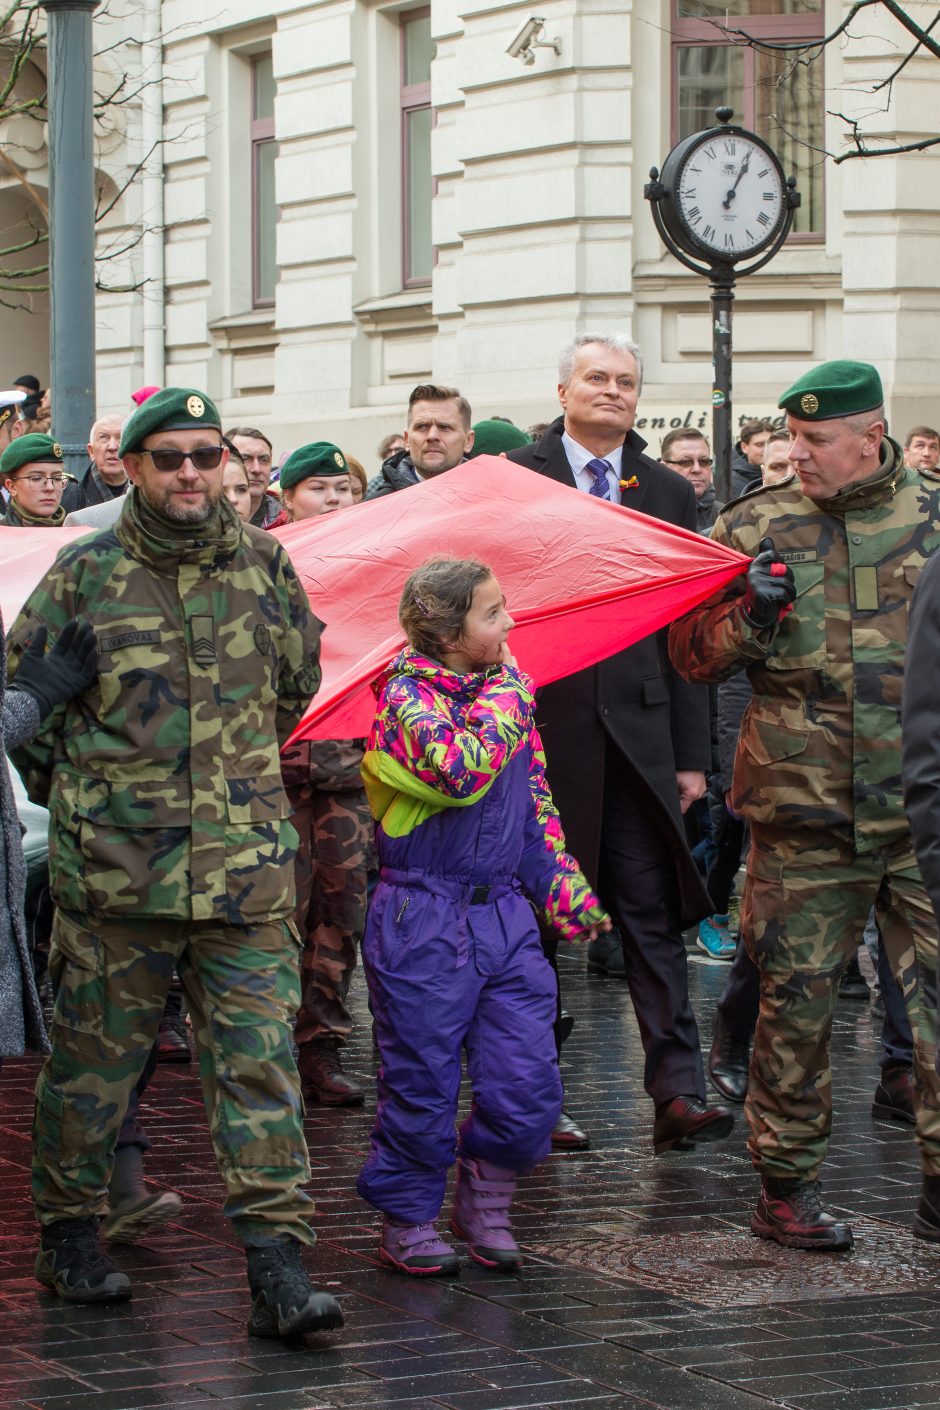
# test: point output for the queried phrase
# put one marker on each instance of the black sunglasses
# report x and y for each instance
(203, 457)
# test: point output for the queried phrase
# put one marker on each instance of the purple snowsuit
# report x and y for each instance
(468, 839)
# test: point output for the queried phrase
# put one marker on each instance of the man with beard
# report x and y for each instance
(171, 845)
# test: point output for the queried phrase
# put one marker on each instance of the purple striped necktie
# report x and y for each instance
(601, 486)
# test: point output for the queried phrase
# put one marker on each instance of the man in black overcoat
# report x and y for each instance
(628, 743)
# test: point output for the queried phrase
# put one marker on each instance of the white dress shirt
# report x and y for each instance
(578, 458)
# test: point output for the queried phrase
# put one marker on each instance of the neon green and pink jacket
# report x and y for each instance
(455, 774)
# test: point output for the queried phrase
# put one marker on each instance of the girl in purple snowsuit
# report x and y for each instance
(468, 840)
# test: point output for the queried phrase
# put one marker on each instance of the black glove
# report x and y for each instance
(66, 670)
(770, 588)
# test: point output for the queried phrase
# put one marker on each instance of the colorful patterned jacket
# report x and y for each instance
(455, 775)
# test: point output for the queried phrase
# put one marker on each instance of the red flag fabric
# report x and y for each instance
(25, 555)
(583, 578)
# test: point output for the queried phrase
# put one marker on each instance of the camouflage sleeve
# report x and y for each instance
(51, 603)
(299, 678)
(714, 640)
(550, 875)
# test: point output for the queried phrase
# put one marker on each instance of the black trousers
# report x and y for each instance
(638, 886)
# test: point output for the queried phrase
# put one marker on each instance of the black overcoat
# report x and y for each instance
(657, 721)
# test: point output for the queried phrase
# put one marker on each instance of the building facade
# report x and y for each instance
(321, 207)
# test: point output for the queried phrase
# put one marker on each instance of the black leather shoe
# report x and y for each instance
(852, 985)
(927, 1218)
(322, 1078)
(173, 1040)
(791, 1213)
(568, 1136)
(728, 1063)
(685, 1121)
(605, 955)
(894, 1096)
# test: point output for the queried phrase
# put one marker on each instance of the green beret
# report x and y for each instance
(840, 388)
(173, 409)
(321, 459)
(491, 437)
(28, 449)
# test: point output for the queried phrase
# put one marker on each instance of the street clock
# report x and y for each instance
(726, 194)
(723, 208)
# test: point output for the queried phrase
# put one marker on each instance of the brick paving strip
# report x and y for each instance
(642, 1287)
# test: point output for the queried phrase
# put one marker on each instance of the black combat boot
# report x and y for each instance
(70, 1262)
(284, 1303)
(792, 1214)
(322, 1078)
(927, 1218)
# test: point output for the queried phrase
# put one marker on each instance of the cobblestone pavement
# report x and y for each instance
(642, 1287)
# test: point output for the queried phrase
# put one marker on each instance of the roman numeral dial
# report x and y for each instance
(728, 194)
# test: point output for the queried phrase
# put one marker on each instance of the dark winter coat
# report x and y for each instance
(920, 728)
(21, 1022)
(634, 699)
(397, 473)
(744, 475)
(92, 488)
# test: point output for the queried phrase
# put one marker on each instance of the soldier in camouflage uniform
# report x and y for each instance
(331, 814)
(170, 844)
(818, 768)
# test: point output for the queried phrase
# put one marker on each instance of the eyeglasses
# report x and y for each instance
(56, 481)
(203, 458)
(688, 461)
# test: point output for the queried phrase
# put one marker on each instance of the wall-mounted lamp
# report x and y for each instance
(529, 38)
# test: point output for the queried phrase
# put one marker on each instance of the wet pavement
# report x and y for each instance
(642, 1287)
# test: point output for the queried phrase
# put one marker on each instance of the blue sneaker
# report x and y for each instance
(714, 937)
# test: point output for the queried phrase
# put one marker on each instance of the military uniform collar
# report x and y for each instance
(882, 485)
(139, 533)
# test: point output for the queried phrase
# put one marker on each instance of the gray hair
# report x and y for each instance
(616, 342)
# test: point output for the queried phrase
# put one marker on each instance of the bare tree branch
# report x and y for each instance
(805, 52)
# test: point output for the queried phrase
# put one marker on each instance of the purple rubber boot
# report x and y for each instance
(482, 1196)
(417, 1249)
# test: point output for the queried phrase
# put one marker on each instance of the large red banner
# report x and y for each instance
(582, 578)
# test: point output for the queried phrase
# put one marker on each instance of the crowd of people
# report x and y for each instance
(154, 682)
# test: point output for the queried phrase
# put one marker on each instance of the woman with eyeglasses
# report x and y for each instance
(33, 476)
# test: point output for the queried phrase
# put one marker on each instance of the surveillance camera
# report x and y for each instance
(520, 48)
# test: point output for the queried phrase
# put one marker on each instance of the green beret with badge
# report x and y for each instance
(320, 461)
(172, 409)
(27, 450)
(840, 388)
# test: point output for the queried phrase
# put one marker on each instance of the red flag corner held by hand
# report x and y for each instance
(583, 578)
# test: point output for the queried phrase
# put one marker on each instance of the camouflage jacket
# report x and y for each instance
(328, 765)
(820, 741)
(163, 780)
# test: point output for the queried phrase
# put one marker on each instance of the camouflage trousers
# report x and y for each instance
(335, 830)
(805, 905)
(241, 983)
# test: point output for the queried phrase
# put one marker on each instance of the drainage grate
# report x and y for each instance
(717, 1269)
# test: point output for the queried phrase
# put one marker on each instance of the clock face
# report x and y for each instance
(730, 194)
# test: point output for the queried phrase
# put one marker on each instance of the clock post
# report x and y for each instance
(723, 208)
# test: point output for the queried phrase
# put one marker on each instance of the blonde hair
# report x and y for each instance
(436, 599)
